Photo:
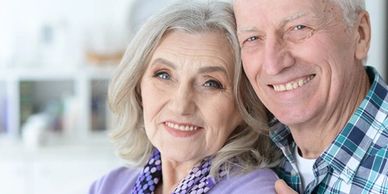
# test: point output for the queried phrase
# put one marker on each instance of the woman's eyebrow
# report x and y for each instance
(209, 69)
(164, 62)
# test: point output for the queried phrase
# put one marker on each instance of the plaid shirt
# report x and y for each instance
(357, 160)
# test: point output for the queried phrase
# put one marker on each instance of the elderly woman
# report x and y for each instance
(183, 113)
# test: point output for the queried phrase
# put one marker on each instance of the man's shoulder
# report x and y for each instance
(377, 158)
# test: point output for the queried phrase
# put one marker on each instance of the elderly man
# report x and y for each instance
(305, 61)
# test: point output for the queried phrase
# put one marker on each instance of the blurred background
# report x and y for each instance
(56, 59)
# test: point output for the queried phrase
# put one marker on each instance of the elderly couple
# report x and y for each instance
(261, 96)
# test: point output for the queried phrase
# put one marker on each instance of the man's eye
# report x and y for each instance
(251, 39)
(299, 27)
(162, 75)
(298, 33)
(213, 84)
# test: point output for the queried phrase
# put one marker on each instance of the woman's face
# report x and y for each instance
(187, 96)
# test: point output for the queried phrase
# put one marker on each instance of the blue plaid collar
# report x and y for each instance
(363, 127)
(281, 136)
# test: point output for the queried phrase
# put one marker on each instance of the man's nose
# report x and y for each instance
(277, 56)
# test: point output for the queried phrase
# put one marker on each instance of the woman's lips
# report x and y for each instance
(181, 130)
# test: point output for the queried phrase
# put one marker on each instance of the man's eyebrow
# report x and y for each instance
(293, 17)
(284, 22)
(164, 62)
(246, 30)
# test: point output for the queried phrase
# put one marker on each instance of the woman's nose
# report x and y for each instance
(182, 100)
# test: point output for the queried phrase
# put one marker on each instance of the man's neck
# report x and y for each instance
(314, 137)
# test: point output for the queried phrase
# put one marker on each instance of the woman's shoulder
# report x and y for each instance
(120, 180)
(257, 181)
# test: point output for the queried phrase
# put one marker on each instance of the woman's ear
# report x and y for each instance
(363, 30)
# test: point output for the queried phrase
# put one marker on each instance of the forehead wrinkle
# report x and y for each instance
(211, 55)
(248, 29)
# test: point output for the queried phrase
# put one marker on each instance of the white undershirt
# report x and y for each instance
(305, 167)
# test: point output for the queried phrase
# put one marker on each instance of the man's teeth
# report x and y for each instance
(293, 85)
(181, 127)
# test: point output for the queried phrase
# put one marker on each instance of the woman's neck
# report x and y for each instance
(172, 174)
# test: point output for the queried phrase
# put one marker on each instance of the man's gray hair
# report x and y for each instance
(350, 9)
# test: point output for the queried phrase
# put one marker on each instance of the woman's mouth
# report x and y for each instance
(181, 127)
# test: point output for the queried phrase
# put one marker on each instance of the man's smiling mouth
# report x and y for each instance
(293, 84)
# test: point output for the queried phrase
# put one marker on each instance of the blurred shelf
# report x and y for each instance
(46, 73)
(74, 99)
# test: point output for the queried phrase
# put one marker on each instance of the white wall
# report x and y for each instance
(378, 50)
(76, 25)
(21, 22)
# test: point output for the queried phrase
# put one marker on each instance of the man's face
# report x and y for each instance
(298, 55)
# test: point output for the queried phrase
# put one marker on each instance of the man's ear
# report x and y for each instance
(363, 35)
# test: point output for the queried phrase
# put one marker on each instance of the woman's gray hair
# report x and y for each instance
(350, 9)
(248, 147)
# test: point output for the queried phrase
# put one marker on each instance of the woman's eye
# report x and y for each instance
(162, 75)
(213, 84)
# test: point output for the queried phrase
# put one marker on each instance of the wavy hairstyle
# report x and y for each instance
(247, 148)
